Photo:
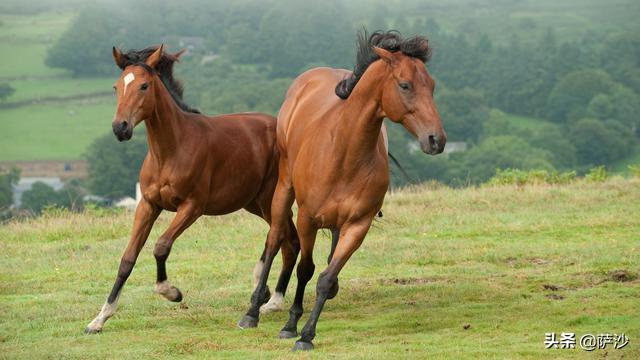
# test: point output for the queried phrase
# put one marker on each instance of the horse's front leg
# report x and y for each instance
(186, 215)
(146, 215)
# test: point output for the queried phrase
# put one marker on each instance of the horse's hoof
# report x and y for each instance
(286, 334)
(89, 330)
(247, 322)
(302, 346)
(178, 297)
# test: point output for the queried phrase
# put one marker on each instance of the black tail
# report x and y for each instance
(404, 173)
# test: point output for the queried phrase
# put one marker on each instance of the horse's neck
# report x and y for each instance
(361, 121)
(164, 127)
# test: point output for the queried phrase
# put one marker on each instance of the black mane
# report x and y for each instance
(417, 47)
(164, 70)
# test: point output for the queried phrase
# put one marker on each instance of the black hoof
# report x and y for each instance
(89, 330)
(248, 322)
(302, 346)
(286, 334)
(179, 297)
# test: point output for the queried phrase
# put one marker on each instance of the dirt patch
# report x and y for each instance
(466, 326)
(551, 287)
(621, 276)
(408, 281)
(538, 261)
(554, 296)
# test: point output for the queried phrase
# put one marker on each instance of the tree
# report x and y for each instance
(7, 181)
(5, 91)
(38, 197)
(463, 112)
(114, 167)
(571, 95)
(598, 143)
(499, 152)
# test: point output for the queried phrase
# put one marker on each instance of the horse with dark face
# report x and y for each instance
(196, 165)
(333, 158)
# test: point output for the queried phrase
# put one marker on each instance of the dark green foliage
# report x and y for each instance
(114, 166)
(41, 196)
(259, 47)
(5, 91)
(571, 96)
(599, 142)
(7, 181)
(463, 112)
(499, 152)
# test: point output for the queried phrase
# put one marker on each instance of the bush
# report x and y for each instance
(114, 167)
(42, 196)
(597, 174)
(634, 170)
(7, 181)
(524, 177)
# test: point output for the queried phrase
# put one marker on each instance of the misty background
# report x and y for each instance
(521, 84)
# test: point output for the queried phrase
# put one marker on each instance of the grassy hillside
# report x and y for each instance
(512, 263)
(44, 119)
(54, 131)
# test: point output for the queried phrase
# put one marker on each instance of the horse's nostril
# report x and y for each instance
(124, 125)
(433, 142)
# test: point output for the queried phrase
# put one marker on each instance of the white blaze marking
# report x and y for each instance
(127, 80)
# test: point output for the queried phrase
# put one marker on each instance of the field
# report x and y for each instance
(51, 115)
(510, 264)
(54, 131)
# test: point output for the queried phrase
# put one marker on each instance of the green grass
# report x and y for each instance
(439, 259)
(65, 87)
(54, 131)
(24, 41)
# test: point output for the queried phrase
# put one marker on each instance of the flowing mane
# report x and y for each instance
(416, 46)
(165, 72)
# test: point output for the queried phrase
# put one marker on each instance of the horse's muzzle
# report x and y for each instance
(122, 130)
(433, 144)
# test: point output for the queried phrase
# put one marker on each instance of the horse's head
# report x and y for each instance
(135, 90)
(407, 98)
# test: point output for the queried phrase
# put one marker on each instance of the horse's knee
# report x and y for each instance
(327, 286)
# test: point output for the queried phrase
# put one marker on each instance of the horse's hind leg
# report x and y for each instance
(146, 215)
(185, 216)
(290, 249)
(283, 198)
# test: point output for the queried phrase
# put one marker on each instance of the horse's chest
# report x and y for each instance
(166, 195)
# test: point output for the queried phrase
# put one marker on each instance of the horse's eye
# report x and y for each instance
(404, 86)
(144, 86)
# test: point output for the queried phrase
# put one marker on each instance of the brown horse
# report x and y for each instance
(333, 160)
(196, 165)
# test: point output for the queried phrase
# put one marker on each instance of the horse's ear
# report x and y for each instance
(178, 54)
(385, 55)
(119, 58)
(154, 58)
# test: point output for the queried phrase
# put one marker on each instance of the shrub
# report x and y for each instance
(528, 177)
(597, 174)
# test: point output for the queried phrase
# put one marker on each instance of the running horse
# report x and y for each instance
(196, 165)
(333, 158)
